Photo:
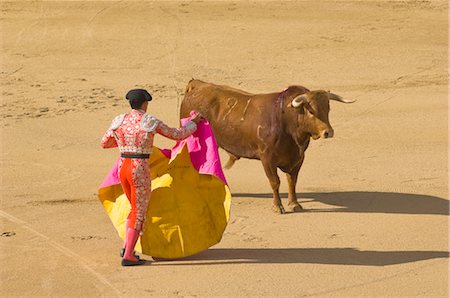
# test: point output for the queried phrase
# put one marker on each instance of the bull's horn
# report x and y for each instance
(296, 102)
(336, 97)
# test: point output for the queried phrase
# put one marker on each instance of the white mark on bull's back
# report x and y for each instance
(245, 109)
(196, 93)
(258, 134)
(230, 106)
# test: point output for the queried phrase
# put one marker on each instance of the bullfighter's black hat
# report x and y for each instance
(138, 95)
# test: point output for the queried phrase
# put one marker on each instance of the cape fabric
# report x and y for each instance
(190, 202)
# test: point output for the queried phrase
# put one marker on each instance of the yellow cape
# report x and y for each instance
(187, 213)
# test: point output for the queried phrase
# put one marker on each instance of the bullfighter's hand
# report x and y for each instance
(197, 117)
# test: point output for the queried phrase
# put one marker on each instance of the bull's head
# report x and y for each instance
(314, 107)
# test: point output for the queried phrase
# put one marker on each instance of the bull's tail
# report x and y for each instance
(190, 86)
(231, 161)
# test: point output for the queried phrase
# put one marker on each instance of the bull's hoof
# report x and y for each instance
(278, 209)
(295, 207)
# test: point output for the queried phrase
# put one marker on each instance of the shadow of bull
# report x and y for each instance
(368, 202)
(354, 201)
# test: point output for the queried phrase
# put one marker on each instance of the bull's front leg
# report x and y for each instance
(292, 175)
(293, 204)
(271, 173)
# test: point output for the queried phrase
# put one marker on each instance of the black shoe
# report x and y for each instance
(126, 262)
(122, 252)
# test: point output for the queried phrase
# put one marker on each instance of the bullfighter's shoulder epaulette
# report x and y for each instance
(117, 122)
(149, 123)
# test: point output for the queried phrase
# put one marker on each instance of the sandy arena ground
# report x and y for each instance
(376, 200)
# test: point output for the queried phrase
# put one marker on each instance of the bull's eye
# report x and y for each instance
(309, 110)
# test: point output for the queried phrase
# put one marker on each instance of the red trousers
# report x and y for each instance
(135, 179)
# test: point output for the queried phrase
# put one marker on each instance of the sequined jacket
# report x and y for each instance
(134, 132)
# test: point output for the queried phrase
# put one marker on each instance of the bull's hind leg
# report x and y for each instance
(231, 160)
(271, 173)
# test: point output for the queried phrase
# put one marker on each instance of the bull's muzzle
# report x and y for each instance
(328, 133)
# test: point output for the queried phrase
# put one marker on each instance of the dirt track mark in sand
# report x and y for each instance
(373, 281)
(60, 101)
(12, 72)
(88, 237)
(58, 202)
(64, 250)
(102, 10)
(8, 234)
(58, 98)
(409, 5)
(415, 79)
(14, 170)
(238, 228)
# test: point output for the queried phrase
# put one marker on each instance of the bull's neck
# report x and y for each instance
(295, 127)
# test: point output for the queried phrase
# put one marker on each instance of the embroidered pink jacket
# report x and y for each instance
(134, 132)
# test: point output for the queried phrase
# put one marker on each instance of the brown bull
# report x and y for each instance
(275, 128)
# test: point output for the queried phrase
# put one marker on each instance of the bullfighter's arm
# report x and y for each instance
(176, 133)
(108, 140)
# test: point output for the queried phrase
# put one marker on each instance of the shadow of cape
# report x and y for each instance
(369, 202)
(330, 256)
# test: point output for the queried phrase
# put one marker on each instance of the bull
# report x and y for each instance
(275, 128)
